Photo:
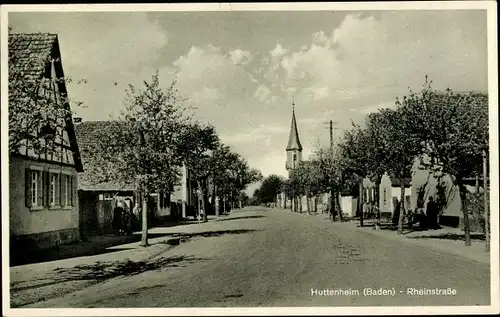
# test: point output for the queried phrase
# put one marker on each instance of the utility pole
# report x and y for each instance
(145, 194)
(333, 194)
(331, 127)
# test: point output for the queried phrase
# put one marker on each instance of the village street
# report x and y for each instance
(271, 257)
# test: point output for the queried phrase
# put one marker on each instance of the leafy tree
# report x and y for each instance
(243, 199)
(298, 184)
(231, 173)
(197, 144)
(39, 106)
(141, 146)
(255, 200)
(356, 159)
(314, 182)
(400, 147)
(269, 188)
(453, 129)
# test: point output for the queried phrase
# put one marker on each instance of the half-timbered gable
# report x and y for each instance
(44, 159)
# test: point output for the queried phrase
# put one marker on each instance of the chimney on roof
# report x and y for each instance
(77, 120)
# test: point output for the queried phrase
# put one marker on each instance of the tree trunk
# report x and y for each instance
(477, 183)
(315, 203)
(203, 204)
(377, 201)
(337, 205)
(232, 201)
(486, 201)
(144, 237)
(216, 202)
(307, 201)
(360, 203)
(332, 202)
(463, 206)
(402, 208)
(224, 204)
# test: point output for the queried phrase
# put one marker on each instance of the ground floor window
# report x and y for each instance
(36, 187)
(52, 188)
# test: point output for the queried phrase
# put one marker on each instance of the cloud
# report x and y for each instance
(278, 51)
(262, 93)
(379, 58)
(240, 57)
(106, 49)
(319, 38)
(339, 71)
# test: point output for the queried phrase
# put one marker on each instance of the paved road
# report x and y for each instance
(277, 258)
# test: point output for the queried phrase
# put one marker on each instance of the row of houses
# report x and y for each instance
(386, 195)
(51, 199)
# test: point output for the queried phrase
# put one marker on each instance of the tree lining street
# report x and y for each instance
(267, 257)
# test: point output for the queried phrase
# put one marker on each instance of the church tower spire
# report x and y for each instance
(294, 148)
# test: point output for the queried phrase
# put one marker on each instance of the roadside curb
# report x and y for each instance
(451, 247)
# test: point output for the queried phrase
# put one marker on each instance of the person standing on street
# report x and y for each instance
(432, 213)
(117, 217)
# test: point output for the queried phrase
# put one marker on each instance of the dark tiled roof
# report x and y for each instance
(107, 186)
(29, 53)
(87, 133)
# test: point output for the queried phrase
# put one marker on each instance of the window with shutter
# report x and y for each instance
(53, 189)
(60, 201)
(46, 188)
(40, 190)
(28, 188)
(33, 187)
(73, 190)
(67, 189)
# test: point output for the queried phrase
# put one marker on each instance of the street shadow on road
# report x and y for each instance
(95, 245)
(243, 217)
(184, 237)
(102, 270)
(98, 272)
(451, 236)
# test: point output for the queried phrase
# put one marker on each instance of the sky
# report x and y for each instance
(241, 70)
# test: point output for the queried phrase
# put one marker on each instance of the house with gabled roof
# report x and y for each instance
(390, 191)
(43, 207)
(97, 198)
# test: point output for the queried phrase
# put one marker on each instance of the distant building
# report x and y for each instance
(422, 185)
(43, 200)
(390, 189)
(294, 148)
(293, 157)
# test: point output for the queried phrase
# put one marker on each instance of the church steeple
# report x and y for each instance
(294, 148)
